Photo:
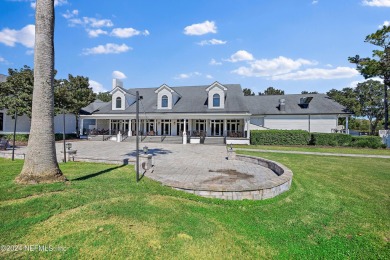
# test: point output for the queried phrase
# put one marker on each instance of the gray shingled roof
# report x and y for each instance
(269, 105)
(94, 106)
(193, 100)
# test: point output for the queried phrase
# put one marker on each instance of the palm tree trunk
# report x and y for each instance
(41, 160)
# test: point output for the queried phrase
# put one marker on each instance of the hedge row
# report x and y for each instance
(300, 137)
(280, 137)
(24, 137)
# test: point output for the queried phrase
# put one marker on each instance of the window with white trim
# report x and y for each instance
(216, 100)
(164, 101)
(118, 102)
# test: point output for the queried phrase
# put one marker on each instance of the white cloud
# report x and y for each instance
(24, 36)
(354, 83)
(385, 23)
(60, 2)
(337, 73)
(209, 76)
(377, 3)
(116, 74)
(240, 55)
(187, 75)
(127, 32)
(56, 3)
(314, 2)
(211, 42)
(88, 22)
(96, 33)
(329, 65)
(214, 62)
(70, 14)
(276, 66)
(107, 49)
(97, 23)
(201, 28)
(4, 61)
(96, 86)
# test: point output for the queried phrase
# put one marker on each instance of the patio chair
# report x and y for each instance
(3, 144)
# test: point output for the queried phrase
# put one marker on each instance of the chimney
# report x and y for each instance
(117, 83)
(282, 104)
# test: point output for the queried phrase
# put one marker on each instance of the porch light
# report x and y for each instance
(145, 149)
(68, 145)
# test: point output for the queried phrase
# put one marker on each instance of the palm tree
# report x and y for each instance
(41, 164)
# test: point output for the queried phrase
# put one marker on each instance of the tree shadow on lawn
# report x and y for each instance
(86, 177)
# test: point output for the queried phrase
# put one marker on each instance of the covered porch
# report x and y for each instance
(189, 126)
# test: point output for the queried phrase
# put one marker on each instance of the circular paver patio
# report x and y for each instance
(200, 169)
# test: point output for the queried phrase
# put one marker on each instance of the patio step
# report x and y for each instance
(156, 139)
(99, 137)
(214, 140)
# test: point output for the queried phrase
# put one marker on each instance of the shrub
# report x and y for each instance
(59, 137)
(330, 139)
(24, 137)
(280, 137)
(373, 142)
(18, 137)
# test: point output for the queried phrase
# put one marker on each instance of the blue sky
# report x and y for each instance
(290, 45)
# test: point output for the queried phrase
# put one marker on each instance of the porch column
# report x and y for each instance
(109, 126)
(184, 132)
(81, 126)
(145, 130)
(346, 125)
(208, 127)
(225, 128)
(248, 132)
(130, 133)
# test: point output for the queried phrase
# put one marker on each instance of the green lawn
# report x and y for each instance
(337, 208)
(319, 149)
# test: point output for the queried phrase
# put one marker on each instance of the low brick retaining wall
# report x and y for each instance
(266, 191)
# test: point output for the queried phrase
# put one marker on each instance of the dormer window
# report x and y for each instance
(164, 101)
(118, 102)
(216, 100)
(166, 97)
(216, 96)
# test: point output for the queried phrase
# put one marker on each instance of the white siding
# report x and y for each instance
(323, 123)
(287, 122)
(257, 123)
(70, 123)
(318, 123)
(23, 124)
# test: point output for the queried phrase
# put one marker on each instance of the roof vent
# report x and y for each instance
(282, 104)
(304, 102)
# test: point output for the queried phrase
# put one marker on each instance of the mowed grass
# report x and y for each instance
(337, 208)
(318, 149)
